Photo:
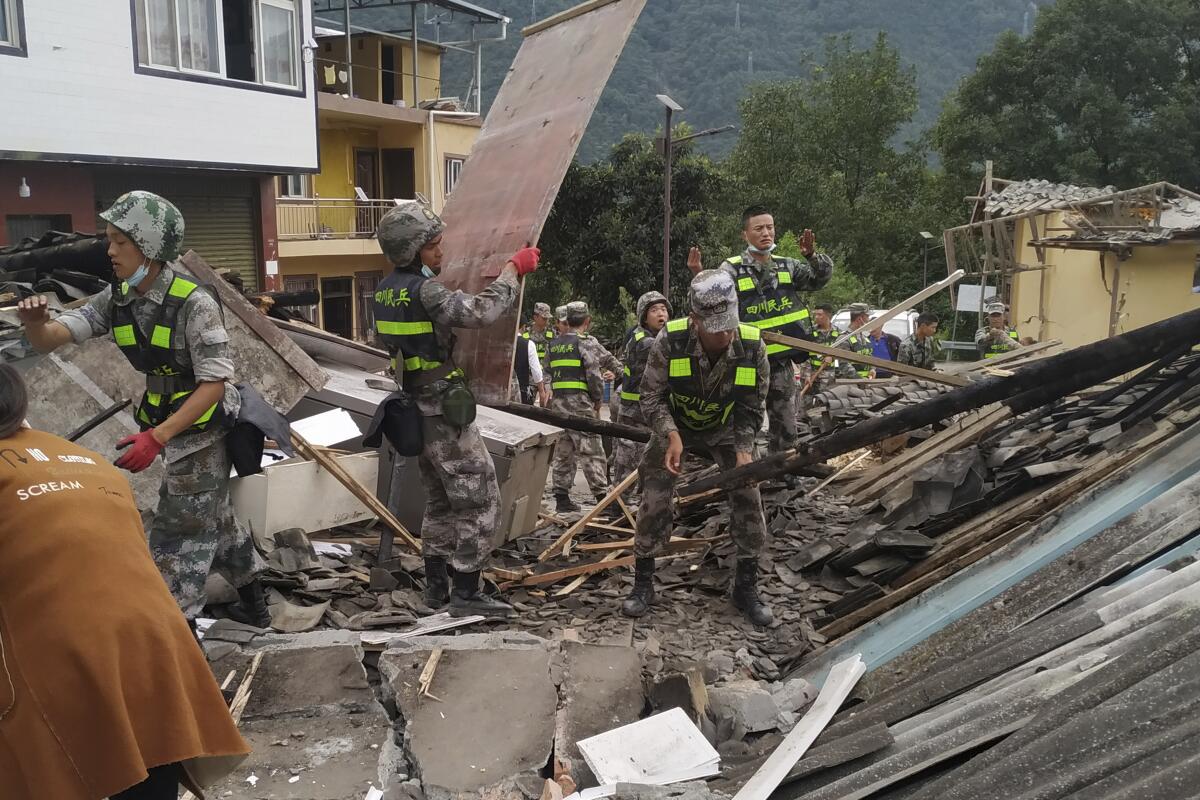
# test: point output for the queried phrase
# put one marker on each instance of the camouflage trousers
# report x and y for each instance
(627, 454)
(575, 449)
(462, 497)
(194, 530)
(781, 407)
(655, 517)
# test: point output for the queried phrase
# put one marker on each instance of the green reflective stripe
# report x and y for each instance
(749, 332)
(992, 355)
(681, 368)
(1013, 335)
(143, 416)
(780, 321)
(734, 259)
(161, 337)
(566, 362)
(676, 325)
(745, 376)
(392, 363)
(628, 374)
(525, 335)
(206, 416)
(639, 335)
(403, 328)
(745, 284)
(154, 399)
(124, 336)
(580, 385)
(181, 288)
(783, 276)
(772, 349)
(633, 397)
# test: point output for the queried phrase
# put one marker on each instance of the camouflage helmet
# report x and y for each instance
(541, 310)
(648, 299)
(560, 313)
(407, 228)
(577, 312)
(713, 298)
(151, 222)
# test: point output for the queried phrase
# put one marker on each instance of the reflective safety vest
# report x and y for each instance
(168, 382)
(540, 346)
(567, 374)
(690, 405)
(777, 308)
(862, 345)
(406, 329)
(826, 338)
(631, 384)
(995, 349)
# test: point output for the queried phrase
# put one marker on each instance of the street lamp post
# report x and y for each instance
(926, 237)
(671, 107)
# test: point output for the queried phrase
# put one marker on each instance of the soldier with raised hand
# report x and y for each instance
(704, 388)
(996, 337)
(172, 331)
(768, 288)
(576, 362)
(415, 317)
(653, 311)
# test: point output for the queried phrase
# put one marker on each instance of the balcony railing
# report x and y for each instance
(329, 218)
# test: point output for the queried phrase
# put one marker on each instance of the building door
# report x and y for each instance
(399, 173)
(337, 306)
(365, 283)
(366, 178)
(387, 58)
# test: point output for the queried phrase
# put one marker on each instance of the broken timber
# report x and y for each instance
(1037, 384)
(571, 532)
(859, 358)
(576, 423)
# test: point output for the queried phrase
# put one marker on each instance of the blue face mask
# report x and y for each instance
(139, 274)
(427, 272)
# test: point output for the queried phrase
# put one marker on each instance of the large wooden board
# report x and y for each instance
(509, 183)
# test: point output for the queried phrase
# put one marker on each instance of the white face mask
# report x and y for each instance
(139, 274)
(427, 272)
(766, 252)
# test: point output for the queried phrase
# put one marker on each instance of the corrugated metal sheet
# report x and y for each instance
(525, 146)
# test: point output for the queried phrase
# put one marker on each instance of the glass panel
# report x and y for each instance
(278, 44)
(161, 26)
(5, 26)
(198, 35)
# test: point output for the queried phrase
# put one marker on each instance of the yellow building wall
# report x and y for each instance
(334, 267)
(336, 178)
(1154, 284)
(429, 72)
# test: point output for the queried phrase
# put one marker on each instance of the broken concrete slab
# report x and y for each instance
(494, 721)
(748, 703)
(690, 790)
(600, 689)
(793, 695)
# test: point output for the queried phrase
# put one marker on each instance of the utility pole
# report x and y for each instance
(671, 107)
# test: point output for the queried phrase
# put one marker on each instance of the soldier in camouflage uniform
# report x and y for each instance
(996, 337)
(171, 330)
(860, 314)
(415, 317)
(574, 362)
(560, 321)
(919, 348)
(653, 311)
(768, 289)
(704, 388)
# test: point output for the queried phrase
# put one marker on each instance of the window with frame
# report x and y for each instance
(11, 29)
(302, 283)
(256, 41)
(293, 186)
(454, 166)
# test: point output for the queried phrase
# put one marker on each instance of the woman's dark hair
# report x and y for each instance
(14, 400)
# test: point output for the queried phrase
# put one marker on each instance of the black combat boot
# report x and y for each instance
(466, 600)
(563, 504)
(252, 610)
(745, 593)
(437, 582)
(642, 596)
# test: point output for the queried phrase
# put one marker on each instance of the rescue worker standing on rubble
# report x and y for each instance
(575, 363)
(860, 314)
(415, 317)
(996, 337)
(824, 333)
(172, 331)
(919, 348)
(704, 388)
(767, 290)
(653, 311)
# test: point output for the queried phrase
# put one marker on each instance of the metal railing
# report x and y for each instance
(329, 218)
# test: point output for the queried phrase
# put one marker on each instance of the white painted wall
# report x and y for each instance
(77, 95)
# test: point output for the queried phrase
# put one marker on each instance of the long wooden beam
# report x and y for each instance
(904, 305)
(1056, 376)
(860, 358)
(575, 423)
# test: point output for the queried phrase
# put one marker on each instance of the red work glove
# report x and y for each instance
(143, 449)
(526, 260)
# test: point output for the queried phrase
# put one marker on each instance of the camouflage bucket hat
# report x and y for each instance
(648, 299)
(714, 300)
(151, 222)
(542, 310)
(405, 229)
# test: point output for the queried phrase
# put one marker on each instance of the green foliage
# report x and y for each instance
(1103, 92)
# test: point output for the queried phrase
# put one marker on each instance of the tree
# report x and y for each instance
(604, 234)
(1104, 92)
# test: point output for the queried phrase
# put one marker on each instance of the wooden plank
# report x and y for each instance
(601, 526)
(1009, 357)
(367, 497)
(859, 358)
(536, 120)
(575, 584)
(572, 531)
(903, 306)
(547, 578)
(563, 16)
(842, 678)
(835, 475)
(677, 544)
